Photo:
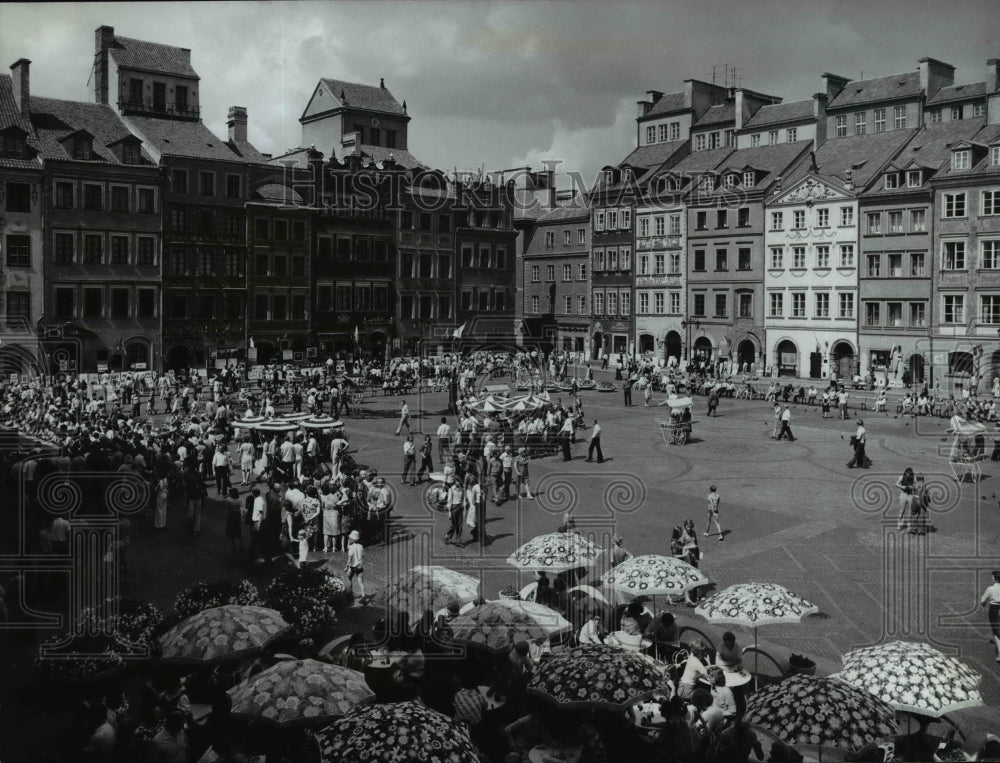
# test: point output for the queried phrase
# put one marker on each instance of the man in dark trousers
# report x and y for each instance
(786, 425)
(628, 392)
(858, 443)
(595, 444)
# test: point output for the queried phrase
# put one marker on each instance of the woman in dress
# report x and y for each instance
(246, 451)
(344, 501)
(162, 492)
(331, 519)
(906, 484)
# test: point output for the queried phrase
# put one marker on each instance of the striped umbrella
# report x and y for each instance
(249, 422)
(295, 418)
(276, 426)
(321, 421)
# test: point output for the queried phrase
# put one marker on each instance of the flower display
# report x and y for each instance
(820, 712)
(403, 732)
(79, 657)
(205, 595)
(555, 552)
(653, 575)
(296, 692)
(429, 588)
(304, 597)
(598, 674)
(131, 620)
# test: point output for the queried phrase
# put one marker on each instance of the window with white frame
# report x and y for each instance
(989, 308)
(798, 256)
(918, 220)
(846, 216)
(662, 137)
(536, 273)
(581, 305)
(660, 264)
(798, 219)
(675, 262)
(860, 123)
(581, 271)
(899, 117)
(953, 205)
(823, 218)
(777, 220)
(625, 303)
(567, 305)
(625, 258)
(675, 303)
(581, 235)
(777, 257)
(550, 273)
(896, 221)
(894, 314)
(822, 304)
(822, 256)
(651, 134)
(879, 120)
(626, 219)
(791, 135)
(699, 142)
(567, 237)
(846, 304)
(847, 255)
(598, 260)
(658, 303)
(989, 258)
(918, 264)
(643, 227)
(978, 110)
(918, 314)
(729, 181)
(642, 308)
(874, 265)
(989, 203)
(755, 140)
(598, 221)
(611, 220)
(895, 269)
(744, 306)
(612, 259)
(891, 180)
(567, 271)
(772, 137)
(599, 303)
(873, 313)
(536, 304)
(674, 226)
(873, 223)
(612, 300)
(995, 155)
(956, 112)
(841, 126)
(961, 159)
(721, 305)
(777, 304)
(913, 179)
(730, 137)
(798, 304)
(933, 116)
(953, 255)
(643, 264)
(953, 308)
(675, 131)
(550, 239)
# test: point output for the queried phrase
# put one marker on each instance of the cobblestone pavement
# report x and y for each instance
(792, 511)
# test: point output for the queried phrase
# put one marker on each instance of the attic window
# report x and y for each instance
(748, 179)
(82, 149)
(130, 152)
(913, 178)
(960, 160)
(13, 146)
(892, 180)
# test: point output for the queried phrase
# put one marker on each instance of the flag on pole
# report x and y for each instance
(457, 333)
(356, 335)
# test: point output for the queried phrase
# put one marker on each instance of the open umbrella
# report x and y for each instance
(678, 402)
(913, 677)
(753, 605)
(275, 426)
(652, 575)
(555, 552)
(815, 713)
(497, 625)
(222, 633)
(598, 674)
(429, 588)
(402, 732)
(321, 421)
(295, 418)
(249, 422)
(299, 692)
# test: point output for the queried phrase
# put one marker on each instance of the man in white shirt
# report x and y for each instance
(858, 443)
(287, 451)
(595, 444)
(409, 460)
(786, 421)
(507, 462)
(60, 535)
(404, 419)
(295, 496)
(444, 439)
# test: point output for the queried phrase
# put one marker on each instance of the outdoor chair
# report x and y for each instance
(768, 669)
(967, 466)
(528, 592)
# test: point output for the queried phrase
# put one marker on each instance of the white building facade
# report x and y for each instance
(660, 282)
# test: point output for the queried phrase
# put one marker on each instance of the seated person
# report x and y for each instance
(908, 403)
(694, 670)
(722, 696)
(880, 401)
(625, 640)
(923, 405)
(811, 394)
(729, 654)
(706, 711)
(666, 636)
(592, 631)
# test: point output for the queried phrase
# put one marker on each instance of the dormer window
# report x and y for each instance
(748, 180)
(13, 145)
(130, 152)
(995, 156)
(668, 184)
(913, 179)
(961, 160)
(83, 148)
(729, 181)
(892, 180)
(609, 177)
(706, 184)
(626, 175)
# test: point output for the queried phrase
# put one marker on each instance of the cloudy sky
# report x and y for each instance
(504, 85)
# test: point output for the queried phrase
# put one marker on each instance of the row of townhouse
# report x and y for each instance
(132, 237)
(857, 231)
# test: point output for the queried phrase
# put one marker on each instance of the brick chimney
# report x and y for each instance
(935, 75)
(104, 38)
(819, 114)
(992, 75)
(22, 85)
(237, 124)
(834, 84)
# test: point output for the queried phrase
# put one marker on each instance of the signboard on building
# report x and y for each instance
(102, 368)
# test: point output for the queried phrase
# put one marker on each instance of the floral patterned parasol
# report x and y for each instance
(913, 677)
(653, 575)
(755, 604)
(428, 587)
(403, 732)
(221, 633)
(300, 692)
(598, 674)
(555, 552)
(806, 711)
(499, 624)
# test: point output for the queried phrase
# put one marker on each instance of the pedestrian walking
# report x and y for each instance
(842, 404)
(404, 418)
(713, 514)
(426, 464)
(826, 404)
(906, 484)
(713, 403)
(627, 387)
(786, 425)
(444, 439)
(521, 473)
(777, 421)
(409, 460)
(356, 565)
(456, 502)
(473, 504)
(566, 436)
(507, 463)
(234, 519)
(647, 394)
(196, 495)
(220, 466)
(595, 444)
(858, 443)
(991, 600)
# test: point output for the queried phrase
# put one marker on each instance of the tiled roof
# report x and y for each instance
(152, 57)
(176, 138)
(863, 155)
(652, 155)
(574, 209)
(277, 192)
(857, 92)
(957, 93)
(700, 161)
(770, 159)
(246, 150)
(9, 114)
(666, 104)
(779, 113)
(930, 146)
(990, 134)
(725, 112)
(55, 120)
(363, 96)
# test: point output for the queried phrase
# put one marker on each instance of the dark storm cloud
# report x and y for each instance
(504, 84)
